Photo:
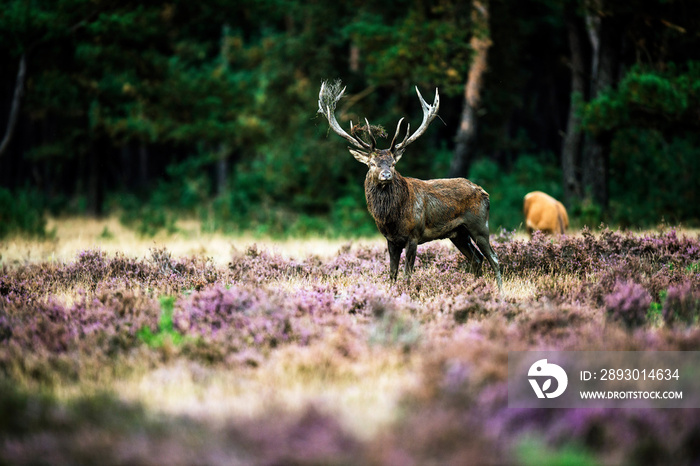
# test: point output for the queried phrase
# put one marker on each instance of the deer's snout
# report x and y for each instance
(385, 175)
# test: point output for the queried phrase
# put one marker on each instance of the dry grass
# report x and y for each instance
(72, 235)
(357, 383)
(362, 394)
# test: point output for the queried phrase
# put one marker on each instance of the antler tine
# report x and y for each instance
(429, 113)
(371, 136)
(396, 134)
(320, 98)
(327, 99)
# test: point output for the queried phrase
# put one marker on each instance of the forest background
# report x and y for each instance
(174, 109)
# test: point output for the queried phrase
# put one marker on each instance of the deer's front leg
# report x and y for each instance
(411, 249)
(394, 256)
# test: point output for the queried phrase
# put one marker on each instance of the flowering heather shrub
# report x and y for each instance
(565, 327)
(310, 437)
(395, 329)
(226, 321)
(438, 435)
(51, 339)
(365, 263)
(328, 318)
(466, 377)
(93, 270)
(629, 304)
(101, 430)
(682, 304)
(90, 268)
(616, 436)
(475, 302)
(369, 300)
(545, 255)
(230, 320)
(587, 254)
(261, 267)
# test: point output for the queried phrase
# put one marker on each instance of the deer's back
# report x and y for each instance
(457, 195)
(442, 205)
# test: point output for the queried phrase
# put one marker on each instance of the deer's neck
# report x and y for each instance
(387, 203)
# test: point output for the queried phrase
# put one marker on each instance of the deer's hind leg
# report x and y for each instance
(463, 242)
(411, 249)
(482, 242)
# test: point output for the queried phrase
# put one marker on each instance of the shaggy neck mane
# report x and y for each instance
(386, 202)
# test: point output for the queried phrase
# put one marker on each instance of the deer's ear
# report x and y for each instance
(398, 153)
(360, 156)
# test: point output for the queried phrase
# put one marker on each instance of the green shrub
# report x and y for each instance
(534, 451)
(653, 178)
(350, 217)
(21, 212)
(507, 189)
(166, 330)
(146, 218)
(184, 190)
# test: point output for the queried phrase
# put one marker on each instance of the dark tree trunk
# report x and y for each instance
(222, 170)
(126, 179)
(143, 166)
(464, 144)
(16, 103)
(595, 169)
(95, 184)
(466, 133)
(606, 39)
(354, 58)
(572, 143)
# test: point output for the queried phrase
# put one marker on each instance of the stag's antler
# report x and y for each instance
(328, 97)
(429, 114)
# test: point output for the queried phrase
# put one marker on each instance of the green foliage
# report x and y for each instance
(648, 98)
(186, 186)
(350, 217)
(654, 161)
(430, 46)
(184, 190)
(507, 189)
(586, 212)
(655, 314)
(21, 212)
(654, 178)
(525, 34)
(166, 333)
(106, 233)
(146, 219)
(193, 83)
(532, 451)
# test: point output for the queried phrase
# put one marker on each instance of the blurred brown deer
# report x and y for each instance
(544, 213)
(409, 211)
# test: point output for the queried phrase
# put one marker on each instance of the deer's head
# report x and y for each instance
(381, 162)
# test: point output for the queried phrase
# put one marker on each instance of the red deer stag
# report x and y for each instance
(409, 211)
(544, 213)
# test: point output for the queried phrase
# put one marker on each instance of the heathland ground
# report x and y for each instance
(208, 349)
